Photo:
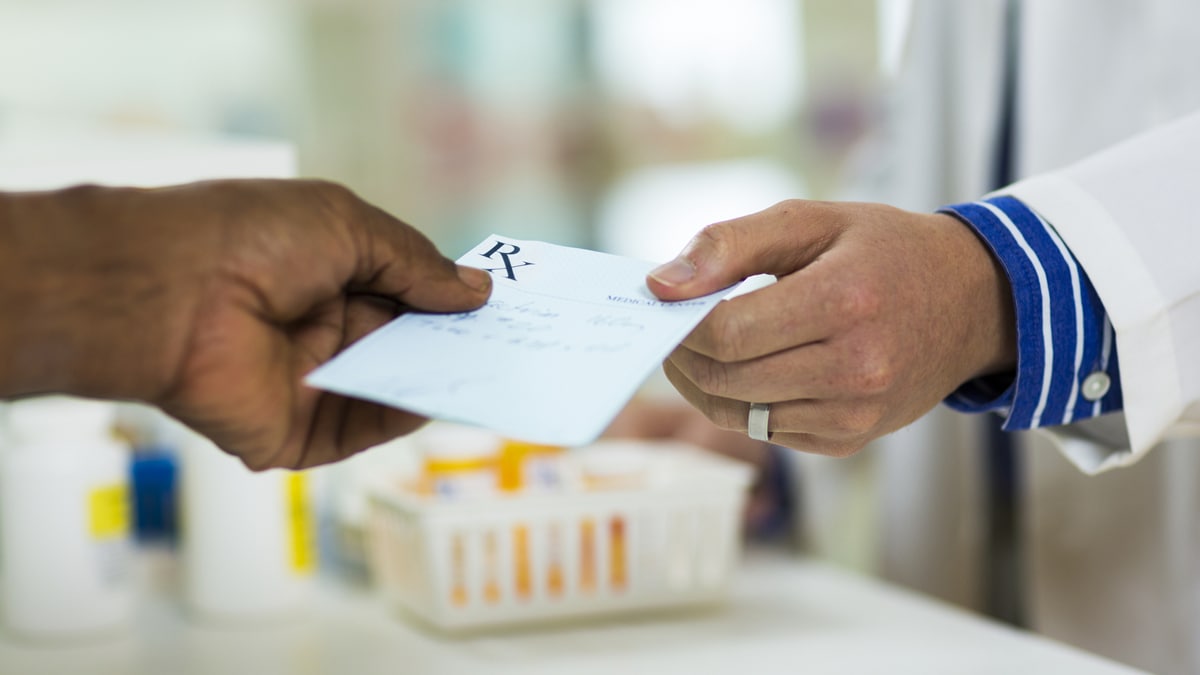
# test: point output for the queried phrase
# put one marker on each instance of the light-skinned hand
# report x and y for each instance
(878, 314)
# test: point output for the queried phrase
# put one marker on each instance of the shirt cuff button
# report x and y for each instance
(1096, 385)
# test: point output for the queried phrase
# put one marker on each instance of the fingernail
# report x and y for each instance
(675, 273)
(474, 277)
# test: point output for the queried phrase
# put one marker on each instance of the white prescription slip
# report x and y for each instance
(565, 341)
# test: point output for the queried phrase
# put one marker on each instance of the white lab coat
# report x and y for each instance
(1112, 561)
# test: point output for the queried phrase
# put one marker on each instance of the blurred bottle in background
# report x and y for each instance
(65, 558)
(248, 540)
(153, 472)
(460, 462)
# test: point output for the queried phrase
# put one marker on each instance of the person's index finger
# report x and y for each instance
(779, 316)
(398, 261)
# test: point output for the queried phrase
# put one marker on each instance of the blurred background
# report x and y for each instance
(613, 124)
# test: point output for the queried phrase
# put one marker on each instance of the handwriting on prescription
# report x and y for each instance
(530, 326)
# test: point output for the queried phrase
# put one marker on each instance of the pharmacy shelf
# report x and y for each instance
(784, 615)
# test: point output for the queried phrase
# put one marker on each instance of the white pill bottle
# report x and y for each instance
(248, 539)
(65, 550)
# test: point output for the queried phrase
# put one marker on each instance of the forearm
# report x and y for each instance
(85, 305)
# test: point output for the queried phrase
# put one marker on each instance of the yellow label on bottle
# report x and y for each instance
(438, 467)
(521, 562)
(300, 523)
(555, 581)
(616, 552)
(108, 511)
(491, 558)
(458, 558)
(587, 555)
(514, 455)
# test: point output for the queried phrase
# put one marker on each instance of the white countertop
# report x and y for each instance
(785, 615)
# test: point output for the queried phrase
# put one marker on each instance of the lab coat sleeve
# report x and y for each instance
(1129, 216)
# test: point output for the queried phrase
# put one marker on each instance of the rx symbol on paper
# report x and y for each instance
(505, 251)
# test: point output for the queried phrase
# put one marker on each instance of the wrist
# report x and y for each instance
(991, 316)
(86, 304)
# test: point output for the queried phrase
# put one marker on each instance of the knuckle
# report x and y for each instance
(337, 199)
(858, 301)
(724, 416)
(874, 373)
(711, 376)
(875, 378)
(329, 189)
(727, 417)
(723, 242)
(789, 207)
(716, 239)
(728, 337)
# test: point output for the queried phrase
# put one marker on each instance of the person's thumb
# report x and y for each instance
(775, 241)
(401, 263)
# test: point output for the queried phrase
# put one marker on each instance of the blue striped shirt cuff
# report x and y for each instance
(1066, 352)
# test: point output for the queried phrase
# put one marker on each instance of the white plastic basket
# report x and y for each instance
(670, 542)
